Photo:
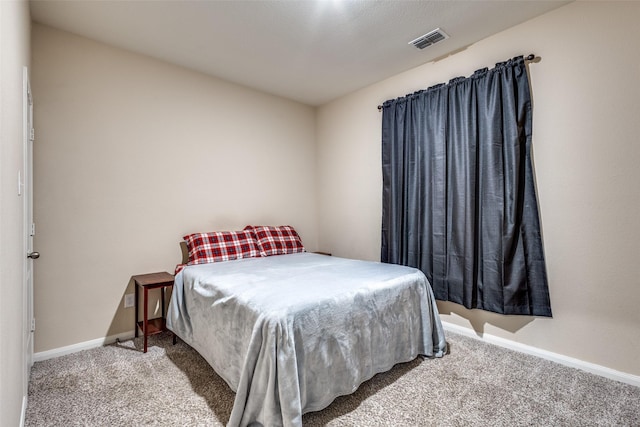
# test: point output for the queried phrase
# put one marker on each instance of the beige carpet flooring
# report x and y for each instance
(477, 384)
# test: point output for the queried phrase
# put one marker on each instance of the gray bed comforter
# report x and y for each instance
(290, 333)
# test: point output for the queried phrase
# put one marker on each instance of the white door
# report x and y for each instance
(29, 226)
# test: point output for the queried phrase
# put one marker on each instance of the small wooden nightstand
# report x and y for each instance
(160, 281)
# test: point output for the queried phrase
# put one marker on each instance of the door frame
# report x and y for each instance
(26, 189)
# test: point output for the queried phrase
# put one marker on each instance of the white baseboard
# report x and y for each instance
(99, 342)
(491, 339)
(548, 355)
(23, 415)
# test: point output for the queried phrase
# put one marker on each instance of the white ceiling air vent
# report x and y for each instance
(430, 38)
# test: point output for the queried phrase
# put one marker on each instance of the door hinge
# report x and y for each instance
(33, 324)
(32, 134)
(33, 228)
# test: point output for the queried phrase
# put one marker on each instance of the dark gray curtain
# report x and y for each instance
(459, 198)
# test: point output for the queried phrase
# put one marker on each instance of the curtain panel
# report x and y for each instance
(459, 197)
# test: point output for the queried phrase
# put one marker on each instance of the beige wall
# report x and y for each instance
(133, 153)
(14, 54)
(586, 92)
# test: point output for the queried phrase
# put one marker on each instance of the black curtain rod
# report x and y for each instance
(529, 57)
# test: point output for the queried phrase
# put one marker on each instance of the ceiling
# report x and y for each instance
(308, 51)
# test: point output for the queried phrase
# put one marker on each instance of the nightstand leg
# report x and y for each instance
(146, 317)
(162, 291)
(136, 324)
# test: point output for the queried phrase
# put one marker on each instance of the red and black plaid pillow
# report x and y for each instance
(280, 240)
(220, 246)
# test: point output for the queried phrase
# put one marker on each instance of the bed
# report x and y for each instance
(289, 333)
